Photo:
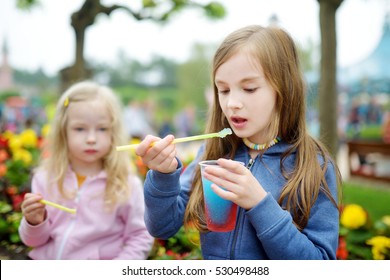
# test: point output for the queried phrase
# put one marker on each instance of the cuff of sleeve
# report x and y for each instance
(266, 215)
(34, 231)
(164, 184)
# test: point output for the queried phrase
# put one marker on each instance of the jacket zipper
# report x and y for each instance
(68, 230)
(240, 214)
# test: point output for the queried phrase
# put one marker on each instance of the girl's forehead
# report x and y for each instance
(94, 108)
(88, 103)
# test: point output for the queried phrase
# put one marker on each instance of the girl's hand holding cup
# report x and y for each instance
(239, 185)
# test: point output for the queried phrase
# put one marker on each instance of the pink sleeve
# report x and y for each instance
(35, 235)
(137, 241)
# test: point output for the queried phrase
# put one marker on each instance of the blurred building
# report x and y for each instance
(6, 75)
(372, 74)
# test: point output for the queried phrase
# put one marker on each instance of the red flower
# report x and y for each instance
(3, 155)
(342, 252)
(3, 142)
(12, 190)
(17, 201)
(3, 170)
(161, 242)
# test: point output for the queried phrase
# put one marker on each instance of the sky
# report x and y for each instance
(43, 38)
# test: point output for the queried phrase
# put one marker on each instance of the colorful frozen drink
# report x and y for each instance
(220, 213)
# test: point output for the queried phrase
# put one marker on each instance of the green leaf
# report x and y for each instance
(215, 10)
(149, 3)
(5, 207)
(26, 4)
(14, 237)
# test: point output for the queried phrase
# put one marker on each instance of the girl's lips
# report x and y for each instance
(238, 122)
(90, 151)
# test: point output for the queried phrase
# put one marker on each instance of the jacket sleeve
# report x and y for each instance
(137, 241)
(38, 235)
(282, 240)
(166, 198)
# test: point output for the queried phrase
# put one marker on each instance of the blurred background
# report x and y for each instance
(156, 55)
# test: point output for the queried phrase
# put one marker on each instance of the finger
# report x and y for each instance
(222, 182)
(167, 154)
(173, 164)
(33, 206)
(222, 173)
(145, 145)
(165, 163)
(163, 143)
(232, 165)
(30, 198)
(156, 148)
(228, 195)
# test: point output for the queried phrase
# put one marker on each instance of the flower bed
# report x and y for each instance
(362, 238)
(18, 155)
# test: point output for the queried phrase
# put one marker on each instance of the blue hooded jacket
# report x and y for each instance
(264, 232)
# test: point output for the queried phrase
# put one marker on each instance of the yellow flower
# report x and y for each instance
(50, 111)
(353, 216)
(8, 134)
(15, 142)
(29, 138)
(386, 220)
(23, 155)
(45, 130)
(380, 246)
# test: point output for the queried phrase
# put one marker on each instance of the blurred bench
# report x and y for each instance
(373, 159)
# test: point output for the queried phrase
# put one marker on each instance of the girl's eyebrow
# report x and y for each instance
(248, 79)
(220, 82)
(251, 79)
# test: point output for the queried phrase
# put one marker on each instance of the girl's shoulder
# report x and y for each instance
(135, 185)
(39, 174)
(134, 180)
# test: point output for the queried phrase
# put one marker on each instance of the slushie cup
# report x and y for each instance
(220, 213)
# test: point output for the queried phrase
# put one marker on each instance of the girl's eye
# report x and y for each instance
(103, 129)
(250, 90)
(79, 129)
(226, 91)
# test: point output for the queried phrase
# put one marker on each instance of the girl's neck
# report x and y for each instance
(87, 170)
(255, 149)
(253, 153)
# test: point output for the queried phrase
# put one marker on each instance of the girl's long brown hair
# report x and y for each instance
(275, 51)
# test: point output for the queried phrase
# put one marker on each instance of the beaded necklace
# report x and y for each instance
(259, 147)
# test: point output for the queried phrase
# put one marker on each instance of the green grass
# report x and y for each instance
(368, 132)
(376, 200)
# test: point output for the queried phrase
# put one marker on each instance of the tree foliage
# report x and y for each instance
(158, 11)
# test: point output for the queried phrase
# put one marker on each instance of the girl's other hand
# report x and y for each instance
(32, 209)
(158, 154)
(240, 186)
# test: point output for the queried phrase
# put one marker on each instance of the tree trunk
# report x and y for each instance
(81, 20)
(327, 89)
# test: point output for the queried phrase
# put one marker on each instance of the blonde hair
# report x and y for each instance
(275, 51)
(116, 165)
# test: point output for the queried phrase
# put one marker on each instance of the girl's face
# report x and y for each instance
(89, 136)
(245, 97)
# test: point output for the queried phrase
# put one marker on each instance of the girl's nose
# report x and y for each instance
(91, 137)
(234, 101)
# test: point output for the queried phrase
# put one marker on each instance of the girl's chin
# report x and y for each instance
(239, 133)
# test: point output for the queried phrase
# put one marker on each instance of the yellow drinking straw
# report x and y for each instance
(63, 208)
(221, 134)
